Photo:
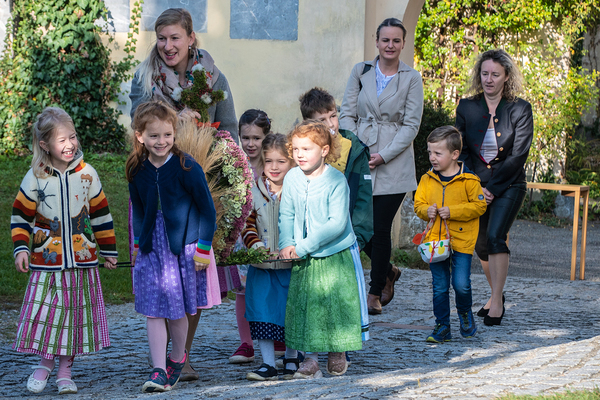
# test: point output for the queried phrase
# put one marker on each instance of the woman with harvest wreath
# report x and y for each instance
(168, 69)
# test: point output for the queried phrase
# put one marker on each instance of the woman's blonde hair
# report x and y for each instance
(147, 113)
(512, 86)
(320, 134)
(148, 69)
(43, 131)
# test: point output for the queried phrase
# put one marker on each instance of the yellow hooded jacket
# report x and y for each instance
(463, 196)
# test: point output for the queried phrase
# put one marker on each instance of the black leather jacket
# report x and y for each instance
(513, 124)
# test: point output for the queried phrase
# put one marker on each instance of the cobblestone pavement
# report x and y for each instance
(542, 251)
(547, 343)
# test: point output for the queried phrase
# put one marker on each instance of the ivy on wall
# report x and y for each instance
(541, 35)
(55, 57)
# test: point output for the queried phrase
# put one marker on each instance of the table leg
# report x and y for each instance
(586, 198)
(575, 229)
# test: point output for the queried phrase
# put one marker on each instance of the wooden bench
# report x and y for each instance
(575, 191)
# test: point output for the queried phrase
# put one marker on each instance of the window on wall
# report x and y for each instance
(4, 14)
(151, 9)
(118, 15)
(264, 19)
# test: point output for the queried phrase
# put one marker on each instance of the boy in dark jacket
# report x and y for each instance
(318, 104)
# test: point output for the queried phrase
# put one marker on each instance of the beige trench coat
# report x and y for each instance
(388, 124)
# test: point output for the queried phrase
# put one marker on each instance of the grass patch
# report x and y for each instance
(116, 284)
(577, 395)
(400, 258)
(409, 259)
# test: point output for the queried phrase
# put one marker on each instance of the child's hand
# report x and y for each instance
(444, 212)
(288, 252)
(22, 261)
(110, 263)
(133, 257)
(432, 211)
(200, 266)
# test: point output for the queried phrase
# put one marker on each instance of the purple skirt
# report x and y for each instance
(166, 285)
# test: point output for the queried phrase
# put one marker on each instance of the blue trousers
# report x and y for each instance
(457, 266)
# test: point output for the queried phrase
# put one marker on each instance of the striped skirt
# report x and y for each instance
(62, 314)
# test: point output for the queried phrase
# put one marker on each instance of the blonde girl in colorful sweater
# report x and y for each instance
(61, 205)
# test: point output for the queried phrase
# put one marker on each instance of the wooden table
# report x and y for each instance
(575, 191)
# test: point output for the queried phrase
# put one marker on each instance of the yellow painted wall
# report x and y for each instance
(406, 10)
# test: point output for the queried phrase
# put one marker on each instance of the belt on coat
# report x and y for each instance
(377, 124)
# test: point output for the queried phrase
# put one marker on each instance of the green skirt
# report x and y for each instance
(323, 308)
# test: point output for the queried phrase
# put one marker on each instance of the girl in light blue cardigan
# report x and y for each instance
(323, 307)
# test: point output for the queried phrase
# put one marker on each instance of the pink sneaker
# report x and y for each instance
(244, 354)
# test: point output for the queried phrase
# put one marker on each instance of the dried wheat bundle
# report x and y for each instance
(228, 175)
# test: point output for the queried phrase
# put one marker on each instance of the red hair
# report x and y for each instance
(319, 134)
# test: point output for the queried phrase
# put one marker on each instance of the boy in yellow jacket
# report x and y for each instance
(454, 193)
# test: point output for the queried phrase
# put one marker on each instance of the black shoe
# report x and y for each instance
(279, 362)
(289, 373)
(264, 373)
(491, 321)
(484, 311)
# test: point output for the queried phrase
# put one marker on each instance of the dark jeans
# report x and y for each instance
(497, 220)
(379, 248)
(460, 272)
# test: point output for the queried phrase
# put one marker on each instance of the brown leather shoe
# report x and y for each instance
(308, 369)
(373, 304)
(387, 294)
(337, 364)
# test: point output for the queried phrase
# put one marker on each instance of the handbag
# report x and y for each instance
(435, 250)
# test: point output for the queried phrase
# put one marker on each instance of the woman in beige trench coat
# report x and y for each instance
(382, 105)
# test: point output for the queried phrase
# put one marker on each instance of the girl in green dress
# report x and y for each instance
(323, 309)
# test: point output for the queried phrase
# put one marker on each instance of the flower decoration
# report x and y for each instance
(234, 174)
(176, 93)
(199, 97)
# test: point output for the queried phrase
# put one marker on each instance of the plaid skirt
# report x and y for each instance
(62, 314)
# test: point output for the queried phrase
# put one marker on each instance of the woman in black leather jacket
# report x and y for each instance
(497, 130)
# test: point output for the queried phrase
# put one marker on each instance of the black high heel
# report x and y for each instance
(491, 321)
(483, 312)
